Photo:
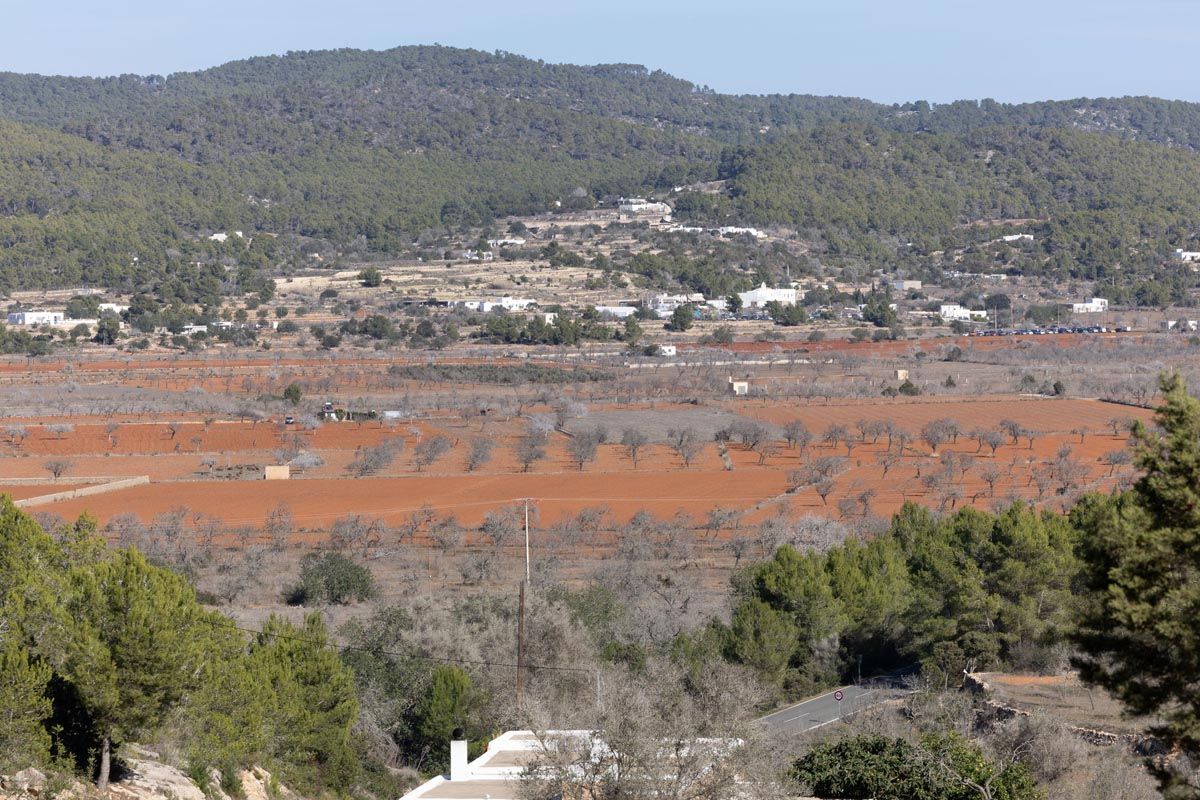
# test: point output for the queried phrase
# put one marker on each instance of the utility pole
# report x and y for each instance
(521, 617)
(521, 646)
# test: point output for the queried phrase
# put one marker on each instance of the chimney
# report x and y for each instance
(458, 756)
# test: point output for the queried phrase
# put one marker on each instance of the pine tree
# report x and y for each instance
(448, 705)
(1139, 627)
(24, 707)
(313, 701)
(225, 718)
(134, 649)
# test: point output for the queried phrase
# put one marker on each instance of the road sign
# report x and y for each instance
(838, 695)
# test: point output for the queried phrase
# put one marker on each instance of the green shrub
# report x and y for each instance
(331, 578)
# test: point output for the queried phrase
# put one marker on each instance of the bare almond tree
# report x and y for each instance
(16, 434)
(991, 475)
(686, 444)
(583, 448)
(1114, 459)
(1120, 425)
(480, 453)
(797, 433)
(634, 441)
(428, 451)
(60, 429)
(934, 435)
(1013, 428)
(58, 467)
(530, 448)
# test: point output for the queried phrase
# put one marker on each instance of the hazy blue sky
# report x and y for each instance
(887, 51)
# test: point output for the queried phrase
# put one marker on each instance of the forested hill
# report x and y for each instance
(366, 150)
(404, 95)
(1100, 204)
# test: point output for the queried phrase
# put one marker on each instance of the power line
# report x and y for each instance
(381, 651)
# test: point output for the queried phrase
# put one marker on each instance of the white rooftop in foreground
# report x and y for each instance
(495, 775)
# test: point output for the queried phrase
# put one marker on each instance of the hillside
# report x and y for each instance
(1104, 203)
(371, 148)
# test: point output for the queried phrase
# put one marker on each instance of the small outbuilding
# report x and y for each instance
(277, 472)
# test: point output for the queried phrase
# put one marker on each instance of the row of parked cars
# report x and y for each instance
(1047, 331)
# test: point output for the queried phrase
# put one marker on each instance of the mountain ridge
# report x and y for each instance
(368, 149)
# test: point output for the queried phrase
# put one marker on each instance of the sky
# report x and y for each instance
(891, 51)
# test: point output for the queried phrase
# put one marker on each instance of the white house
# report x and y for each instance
(1097, 305)
(35, 317)
(953, 311)
(114, 308)
(733, 230)
(497, 773)
(758, 298)
(617, 312)
(507, 242)
(638, 205)
(668, 350)
(665, 304)
(506, 303)
(1017, 237)
(1187, 255)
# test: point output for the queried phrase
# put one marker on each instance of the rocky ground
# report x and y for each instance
(147, 779)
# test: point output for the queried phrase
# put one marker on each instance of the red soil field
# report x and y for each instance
(318, 502)
(904, 346)
(1038, 414)
(659, 484)
(22, 492)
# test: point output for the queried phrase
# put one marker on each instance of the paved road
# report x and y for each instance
(825, 708)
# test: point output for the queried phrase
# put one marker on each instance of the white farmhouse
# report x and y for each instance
(35, 317)
(664, 305)
(954, 312)
(1187, 256)
(734, 230)
(506, 303)
(638, 205)
(616, 312)
(1097, 305)
(758, 298)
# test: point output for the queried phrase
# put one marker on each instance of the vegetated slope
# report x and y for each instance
(338, 184)
(73, 211)
(407, 94)
(368, 149)
(1107, 202)
(404, 95)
